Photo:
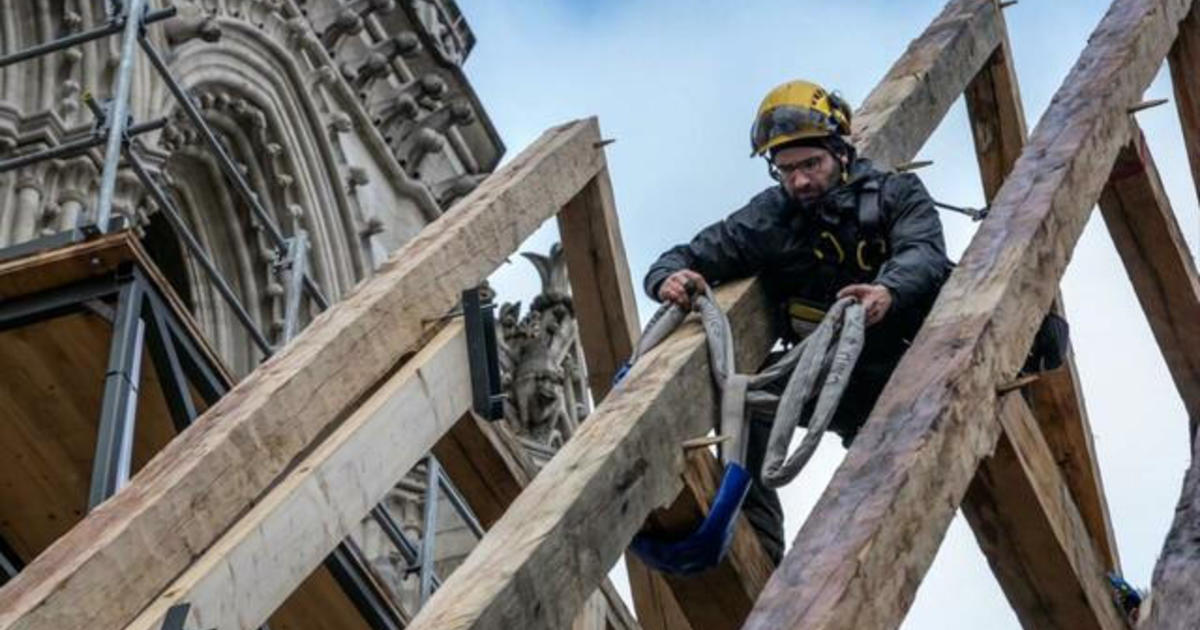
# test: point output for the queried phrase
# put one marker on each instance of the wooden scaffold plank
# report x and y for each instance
(574, 520)
(863, 551)
(202, 482)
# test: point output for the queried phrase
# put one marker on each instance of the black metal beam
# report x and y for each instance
(348, 567)
(483, 356)
(54, 302)
(167, 208)
(210, 384)
(171, 378)
(10, 563)
(114, 444)
(75, 147)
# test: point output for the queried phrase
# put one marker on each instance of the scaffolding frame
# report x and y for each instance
(141, 318)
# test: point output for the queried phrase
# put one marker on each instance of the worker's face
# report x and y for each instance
(806, 172)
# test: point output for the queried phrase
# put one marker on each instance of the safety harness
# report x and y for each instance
(816, 372)
(850, 254)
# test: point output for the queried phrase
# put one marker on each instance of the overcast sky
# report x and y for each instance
(677, 82)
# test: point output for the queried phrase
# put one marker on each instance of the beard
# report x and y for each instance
(814, 195)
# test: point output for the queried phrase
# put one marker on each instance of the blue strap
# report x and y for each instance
(705, 547)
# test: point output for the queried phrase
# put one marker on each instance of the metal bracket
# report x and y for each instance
(976, 214)
(480, 322)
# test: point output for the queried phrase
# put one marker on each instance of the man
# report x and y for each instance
(833, 227)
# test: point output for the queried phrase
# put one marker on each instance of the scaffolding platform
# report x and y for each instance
(91, 393)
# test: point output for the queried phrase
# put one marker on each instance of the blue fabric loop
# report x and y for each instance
(705, 547)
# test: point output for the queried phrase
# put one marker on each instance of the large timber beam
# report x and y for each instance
(1174, 592)
(199, 485)
(603, 294)
(1035, 539)
(489, 467)
(1160, 265)
(242, 578)
(867, 544)
(557, 540)
(1175, 602)
(1031, 560)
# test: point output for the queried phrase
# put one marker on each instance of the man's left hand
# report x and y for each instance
(875, 298)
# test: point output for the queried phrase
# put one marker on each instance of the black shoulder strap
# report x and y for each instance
(869, 213)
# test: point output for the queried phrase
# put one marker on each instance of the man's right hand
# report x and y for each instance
(675, 288)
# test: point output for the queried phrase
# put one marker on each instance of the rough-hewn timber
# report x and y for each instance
(621, 464)
(245, 442)
(870, 539)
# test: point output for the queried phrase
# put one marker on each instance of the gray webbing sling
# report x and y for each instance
(816, 371)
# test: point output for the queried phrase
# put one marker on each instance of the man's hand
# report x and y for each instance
(875, 298)
(674, 288)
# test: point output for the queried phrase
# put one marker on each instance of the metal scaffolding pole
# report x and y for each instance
(227, 166)
(113, 27)
(167, 207)
(75, 147)
(429, 532)
(118, 112)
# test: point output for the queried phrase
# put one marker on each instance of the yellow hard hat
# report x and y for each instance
(797, 110)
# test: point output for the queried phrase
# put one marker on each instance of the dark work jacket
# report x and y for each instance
(774, 238)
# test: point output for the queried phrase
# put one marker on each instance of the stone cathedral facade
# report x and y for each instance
(351, 119)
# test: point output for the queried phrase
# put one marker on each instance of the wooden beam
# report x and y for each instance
(490, 468)
(1034, 536)
(601, 287)
(1173, 603)
(572, 522)
(1162, 269)
(243, 444)
(868, 542)
(1183, 60)
(997, 117)
(998, 127)
(557, 541)
(653, 599)
(241, 579)
(603, 294)
(949, 53)
(1143, 227)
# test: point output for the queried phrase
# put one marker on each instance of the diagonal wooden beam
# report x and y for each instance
(1174, 604)
(559, 538)
(602, 292)
(1023, 514)
(1171, 312)
(252, 568)
(489, 467)
(865, 547)
(574, 520)
(1030, 562)
(1143, 227)
(243, 444)
(909, 102)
